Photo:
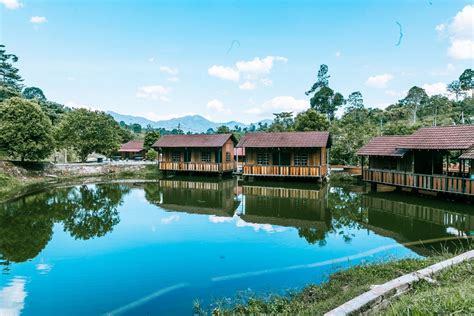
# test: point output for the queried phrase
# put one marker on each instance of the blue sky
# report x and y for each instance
(163, 59)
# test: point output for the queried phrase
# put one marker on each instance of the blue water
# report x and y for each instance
(157, 260)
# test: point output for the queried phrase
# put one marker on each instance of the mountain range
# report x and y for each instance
(188, 123)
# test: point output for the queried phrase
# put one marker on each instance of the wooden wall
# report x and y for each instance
(196, 153)
(316, 156)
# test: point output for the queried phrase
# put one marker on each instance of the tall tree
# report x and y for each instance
(88, 132)
(455, 88)
(150, 138)
(9, 74)
(327, 101)
(322, 79)
(415, 98)
(25, 131)
(466, 80)
(355, 100)
(311, 120)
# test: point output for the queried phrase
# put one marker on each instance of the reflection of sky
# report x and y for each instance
(152, 251)
(12, 297)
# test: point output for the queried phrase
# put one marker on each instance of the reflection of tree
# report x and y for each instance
(313, 235)
(94, 210)
(25, 229)
(26, 225)
(346, 211)
(152, 193)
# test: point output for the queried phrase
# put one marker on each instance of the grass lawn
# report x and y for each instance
(453, 292)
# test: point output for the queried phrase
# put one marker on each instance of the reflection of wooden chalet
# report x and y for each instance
(288, 154)
(198, 197)
(410, 219)
(286, 206)
(197, 153)
(423, 160)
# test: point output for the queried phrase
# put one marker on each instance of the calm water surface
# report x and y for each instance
(156, 248)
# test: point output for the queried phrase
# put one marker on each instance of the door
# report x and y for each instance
(285, 159)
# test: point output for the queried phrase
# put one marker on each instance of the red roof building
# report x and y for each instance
(132, 149)
(286, 154)
(424, 160)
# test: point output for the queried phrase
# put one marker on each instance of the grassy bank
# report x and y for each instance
(453, 292)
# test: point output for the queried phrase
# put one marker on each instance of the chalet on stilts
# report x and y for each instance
(286, 154)
(197, 153)
(133, 149)
(433, 159)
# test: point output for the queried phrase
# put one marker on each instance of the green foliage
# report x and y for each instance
(88, 132)
(321, 81)
(455, 88)
(7, 93)
(223, 130)
(136, 128)
(283, 122)
(466, 80)
(34, 93)
(415, 99)
(9, 76)
(311, 120)
(151, 155)
(355, 100)
(25, 131)
(150, 138)
(327, 102)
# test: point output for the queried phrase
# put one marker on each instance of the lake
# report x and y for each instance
(156, 248)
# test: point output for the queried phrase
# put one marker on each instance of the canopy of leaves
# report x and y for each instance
(223, 130)
(25, 131)
(283, 122)
(150, 138)
(88, 132)
(9, 74)
(311, 120)
(151, 155)
(34, 93)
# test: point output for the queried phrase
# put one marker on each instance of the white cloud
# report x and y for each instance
(249, 69)
(170, 219)
(435, 88)
(151, 59)
(226, 73)
(76, 105)
(169, 70)
(460, 31)
(216, 105)
(279, 104)
(258, 66)
(257, 227)
(448, 70)
(461, 49)
(247, 85)
(38, 19)
(379, 81)
(155, 92)
(219, 219)
(12, 297)
(173, 79)
(44, 268)
(11, 4)
(338, 54)
(71, 78)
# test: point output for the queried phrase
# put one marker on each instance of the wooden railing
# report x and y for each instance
(284, 171)
(197, 166)
(438, 183)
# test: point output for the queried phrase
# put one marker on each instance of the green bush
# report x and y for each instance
(151, 155)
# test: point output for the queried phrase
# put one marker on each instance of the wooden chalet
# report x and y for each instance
(435, 159)
(133, 149)
(287, 154)
(197, 153)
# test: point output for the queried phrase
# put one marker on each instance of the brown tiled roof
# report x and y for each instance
(285, 139)
(468, 154)
(447, 138)
(204, 140)
(133, 146)
(384, 146)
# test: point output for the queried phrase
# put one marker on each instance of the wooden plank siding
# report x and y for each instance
(436, 183)
(197, 166)
(316, 163)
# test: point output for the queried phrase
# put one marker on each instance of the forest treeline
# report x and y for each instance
(34, 128)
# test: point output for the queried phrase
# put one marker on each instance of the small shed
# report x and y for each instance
(133, 149)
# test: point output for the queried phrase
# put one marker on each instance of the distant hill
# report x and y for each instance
(191, 123)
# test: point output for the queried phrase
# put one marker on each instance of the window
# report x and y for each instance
(176, 156)
(227, 156)
(301, 159)
(262, 158)
(206, 156)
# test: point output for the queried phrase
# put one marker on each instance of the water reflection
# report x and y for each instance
(316, 212)
(26, 224)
